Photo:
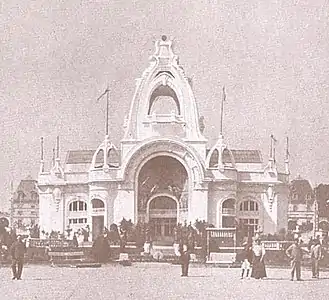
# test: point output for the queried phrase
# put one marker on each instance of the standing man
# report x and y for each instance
(316, 256)
(17, 252)
(185, 260)
(294, 252)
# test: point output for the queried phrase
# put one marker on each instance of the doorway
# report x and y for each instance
(163, 217)
(98, 226)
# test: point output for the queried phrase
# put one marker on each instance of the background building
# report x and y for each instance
(164, 173)
(322, 196)
(302, 207)
(25, 205)
(4, 219)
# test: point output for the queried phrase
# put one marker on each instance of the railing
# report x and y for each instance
(77, 214)
(163, 213)
(275, 245)
(221, 232)
(52, 243)
(98, 210)
(228, 211)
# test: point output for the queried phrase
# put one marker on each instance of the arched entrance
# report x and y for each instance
(97, 215)
(162, 195)
(162, 214)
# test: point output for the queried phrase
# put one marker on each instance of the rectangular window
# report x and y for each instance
(252, 205)
(250, 226)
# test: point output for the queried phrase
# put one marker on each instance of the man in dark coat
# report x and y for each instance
(101, 248)
(17, 252)
(185, 260)
(294, 252)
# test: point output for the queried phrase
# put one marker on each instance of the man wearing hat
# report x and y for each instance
(294, 252)
(17, 251)
(316, 256)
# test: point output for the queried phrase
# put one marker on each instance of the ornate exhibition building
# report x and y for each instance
(162, 170)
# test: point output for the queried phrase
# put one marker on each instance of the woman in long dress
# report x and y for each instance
(258, 265)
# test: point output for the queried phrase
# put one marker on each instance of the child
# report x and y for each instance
(246, 260)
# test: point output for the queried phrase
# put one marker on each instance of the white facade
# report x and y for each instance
(163, 170)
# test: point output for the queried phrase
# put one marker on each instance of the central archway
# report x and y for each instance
(162, 195)
(162, 212)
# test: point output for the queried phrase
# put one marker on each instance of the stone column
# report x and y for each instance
(45, 207)
(198, 206)
(125, 206)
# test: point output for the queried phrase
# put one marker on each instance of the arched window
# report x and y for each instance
(249, 205)
(164, 101)
(213, 163)
(113, 158)
(78, 206)
(163, 203)
(227, 159)
(292, 224)
(34, 196)
(96, 203)
(228, 207)
(21, 196)
(99, 159)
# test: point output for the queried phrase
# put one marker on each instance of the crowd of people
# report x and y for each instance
(185, 236)
(253, 258)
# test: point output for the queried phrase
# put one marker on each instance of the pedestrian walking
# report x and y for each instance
(316, 256)
(258, 264)
(246, 260)
(294, 252)
(17, 252)
(185, 260)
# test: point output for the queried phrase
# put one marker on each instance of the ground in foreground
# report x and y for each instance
(156, 281)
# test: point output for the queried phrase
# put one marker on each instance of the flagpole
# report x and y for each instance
(222, 112)
(287, 149)
(107, 110)
(107, 92)
(57, 147)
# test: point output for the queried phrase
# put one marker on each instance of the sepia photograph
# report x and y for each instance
(164, 149)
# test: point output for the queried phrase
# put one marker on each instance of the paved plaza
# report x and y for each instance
(156, 281)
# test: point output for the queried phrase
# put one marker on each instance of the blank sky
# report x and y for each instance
(58, 56)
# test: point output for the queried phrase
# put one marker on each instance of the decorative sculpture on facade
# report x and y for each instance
(270, 195)
(57, 195)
